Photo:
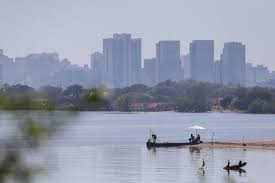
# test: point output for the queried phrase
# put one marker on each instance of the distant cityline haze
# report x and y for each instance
(73, 28)
(121, 65)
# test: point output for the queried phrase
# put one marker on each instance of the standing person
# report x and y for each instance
(228, 164)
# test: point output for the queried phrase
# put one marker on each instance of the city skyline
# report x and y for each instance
(217, 56)
(136, 91)
(34, 27)
(120, 65)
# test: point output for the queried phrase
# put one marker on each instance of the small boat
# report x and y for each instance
(150, 144)
(235, 167)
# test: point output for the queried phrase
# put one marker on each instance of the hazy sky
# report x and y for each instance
(75, 28)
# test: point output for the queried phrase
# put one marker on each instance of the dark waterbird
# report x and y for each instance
(235, 167)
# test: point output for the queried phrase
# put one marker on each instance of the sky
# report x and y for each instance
(75, 28)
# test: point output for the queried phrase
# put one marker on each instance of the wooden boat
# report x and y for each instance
(150, 144)
(153, 142)
(235, 167)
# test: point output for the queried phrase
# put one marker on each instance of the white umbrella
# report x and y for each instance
(196, 127)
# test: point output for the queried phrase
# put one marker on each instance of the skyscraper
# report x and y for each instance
(136, 61)
(8, 71)
(272, 75)
(168, 60)
(1, 74)
(97, 66)
(1, 67)
(261, 74)
(249, 75)
(149, 72)
(233, 63)
(122, 60)
(185, 62)
(217, 72)
(202, 60)
(34, 69)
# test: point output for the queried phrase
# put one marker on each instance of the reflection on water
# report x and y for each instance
(98, 147)
(195, 149)
(138, 164)
(122, 164)
(241, 171)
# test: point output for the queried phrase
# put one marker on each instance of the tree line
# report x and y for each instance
(184, 96)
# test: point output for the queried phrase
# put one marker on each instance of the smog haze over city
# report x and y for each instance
(124, 42)
(137, 91)
(74, 29)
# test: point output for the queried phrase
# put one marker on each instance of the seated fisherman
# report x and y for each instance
(198, 138)
(154, 137)
(192, 138)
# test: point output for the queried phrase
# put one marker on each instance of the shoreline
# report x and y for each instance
(264, 145)
(133, 111)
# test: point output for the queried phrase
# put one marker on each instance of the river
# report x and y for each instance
(110, 147)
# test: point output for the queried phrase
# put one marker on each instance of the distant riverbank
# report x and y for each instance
(184, 96)
(265, 145)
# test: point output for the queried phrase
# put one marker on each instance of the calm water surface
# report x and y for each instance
(110, 147)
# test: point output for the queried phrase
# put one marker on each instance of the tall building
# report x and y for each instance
(272, 75)
(122, 60)
(202, 59)
(149, 72)
(1, 68)
(42, 69)
(1, 75)
(261, 74)
(168, 60)
(186, 65)
(217, 72)
(233, 63)
(8, 71)
(136, 61)
(97, 66)
(34, 70)
(249, 75)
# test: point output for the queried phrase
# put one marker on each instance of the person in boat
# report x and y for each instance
(154, 137)
(191, 138)
(228, 164)
(198, 138)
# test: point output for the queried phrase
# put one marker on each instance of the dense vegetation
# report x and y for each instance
(190, 96)
(186, 96)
